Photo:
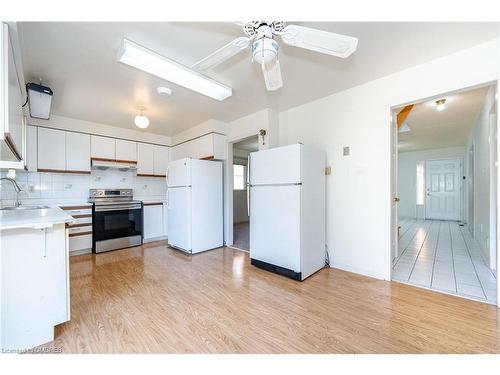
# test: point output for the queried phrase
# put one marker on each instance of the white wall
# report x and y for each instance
(359, 188)
(210, 126)
(67, 123)
(480, 138)
(407, 175)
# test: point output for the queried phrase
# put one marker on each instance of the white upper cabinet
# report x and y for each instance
(145, 159)
(32, 147)
(103, 147)
(161, 159)
(51, 150)
(77, 152)
(12, 96)
(210, 146)
(126, 150)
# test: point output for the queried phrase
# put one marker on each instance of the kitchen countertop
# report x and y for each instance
(37, 218)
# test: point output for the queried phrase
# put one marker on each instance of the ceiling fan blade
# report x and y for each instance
(319, 40)
(222, 54)
(272, 75)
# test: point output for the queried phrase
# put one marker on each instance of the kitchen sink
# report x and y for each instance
(14, 208)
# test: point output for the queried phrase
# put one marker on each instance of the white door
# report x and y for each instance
(145, 159)
(51, 150)
(442, 180)
(126, 150)
(280, 165)
(394, 188)
(161, 159)
(179, 173)
(275, 225)
(77, 152)
(102, 147)
(179, 213)
(153, 221)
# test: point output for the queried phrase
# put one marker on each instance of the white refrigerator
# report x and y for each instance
(195, 205)
(287, 210)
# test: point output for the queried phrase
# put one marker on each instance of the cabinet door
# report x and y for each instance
(165, 219)
(153, 221)
(219, 146)
(77, 152)
(31, 148)
(126, 150)
(205, 147)
(161, 159)
(51, 150)
(145, 159)
(102, 147)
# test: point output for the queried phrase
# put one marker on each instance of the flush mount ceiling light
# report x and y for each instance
(164, 91)
(440, 104)
(141, 121)
(150, 62)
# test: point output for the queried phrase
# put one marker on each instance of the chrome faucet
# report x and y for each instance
(16, 188)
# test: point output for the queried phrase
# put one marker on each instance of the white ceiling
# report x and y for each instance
(78, 61)
(451, 127)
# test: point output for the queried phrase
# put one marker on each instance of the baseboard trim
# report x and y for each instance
(80, 252)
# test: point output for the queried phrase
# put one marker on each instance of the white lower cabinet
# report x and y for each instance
(154, 226)
(35, 285)
(80, 231)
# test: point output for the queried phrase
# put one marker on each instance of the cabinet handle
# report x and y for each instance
(44, 242)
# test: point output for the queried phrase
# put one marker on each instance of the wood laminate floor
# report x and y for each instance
(152, 299)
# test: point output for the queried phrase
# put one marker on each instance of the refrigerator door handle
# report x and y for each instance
(168, 199)
(248, 186)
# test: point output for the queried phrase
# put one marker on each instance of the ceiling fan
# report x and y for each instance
(265, 48)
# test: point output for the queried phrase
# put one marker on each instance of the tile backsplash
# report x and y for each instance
(58, 188)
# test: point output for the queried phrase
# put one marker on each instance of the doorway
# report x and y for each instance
(444, 186)
(241, 222)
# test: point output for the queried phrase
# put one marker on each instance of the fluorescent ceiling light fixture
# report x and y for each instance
(150, 62)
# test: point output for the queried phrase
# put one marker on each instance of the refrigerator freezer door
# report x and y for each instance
(279, 165)
(275, 225)
(179, 213)
(179, 173)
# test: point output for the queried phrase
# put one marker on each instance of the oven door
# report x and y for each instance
(117, 226)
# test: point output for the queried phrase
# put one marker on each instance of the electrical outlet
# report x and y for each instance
(347, 150)
(328, 170)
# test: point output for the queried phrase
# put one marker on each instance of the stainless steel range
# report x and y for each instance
(117, 219)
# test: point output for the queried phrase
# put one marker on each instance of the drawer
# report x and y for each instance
(77, 242)
(79, 212)
(79, 220)
(80, 229)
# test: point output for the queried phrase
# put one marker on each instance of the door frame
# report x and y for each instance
(393, 176)
(460, 197)
(228, 187)
(471, 155)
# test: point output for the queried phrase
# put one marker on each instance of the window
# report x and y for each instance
(239, 172)
(420, 183)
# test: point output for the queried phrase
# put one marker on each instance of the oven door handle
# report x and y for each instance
(116, 208)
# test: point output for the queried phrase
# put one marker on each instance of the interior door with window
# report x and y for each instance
(442, 180)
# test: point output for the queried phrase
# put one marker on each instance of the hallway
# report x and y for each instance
(443, 256)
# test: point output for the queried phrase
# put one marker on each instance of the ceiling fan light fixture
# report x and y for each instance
(265, 50)
(141, 121)
(440, 104)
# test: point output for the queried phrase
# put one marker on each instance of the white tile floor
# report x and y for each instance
(443, 256)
